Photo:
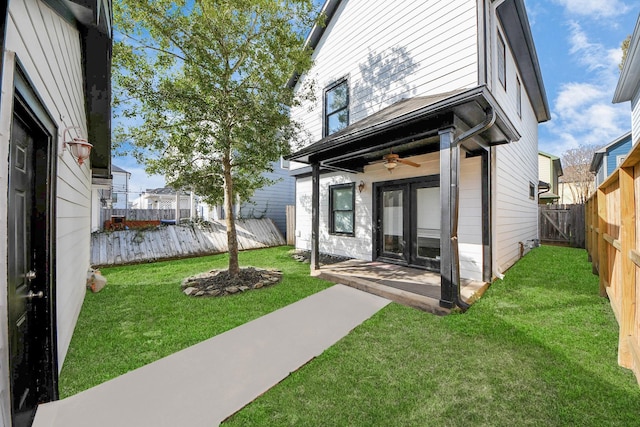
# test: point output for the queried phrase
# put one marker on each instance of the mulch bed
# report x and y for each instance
(217, 283)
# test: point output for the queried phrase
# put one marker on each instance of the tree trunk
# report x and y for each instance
(232, 238)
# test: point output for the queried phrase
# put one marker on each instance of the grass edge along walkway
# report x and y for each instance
(538, 349)
(142, 315)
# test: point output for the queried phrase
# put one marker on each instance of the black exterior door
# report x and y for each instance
(407, 222)
(29, 293)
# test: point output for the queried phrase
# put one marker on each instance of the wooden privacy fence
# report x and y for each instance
(176, 241)
(562, 224)
(613, 245)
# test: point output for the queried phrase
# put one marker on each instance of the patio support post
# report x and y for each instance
(315, 216)
(447, 286)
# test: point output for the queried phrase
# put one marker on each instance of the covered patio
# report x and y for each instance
(413, 287)
(456, 125)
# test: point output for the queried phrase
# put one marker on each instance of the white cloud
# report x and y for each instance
(594, 8)
(594, 56)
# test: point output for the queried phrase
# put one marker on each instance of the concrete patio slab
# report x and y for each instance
(206, 383)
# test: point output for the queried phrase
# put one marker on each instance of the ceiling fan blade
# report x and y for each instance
(409, 162)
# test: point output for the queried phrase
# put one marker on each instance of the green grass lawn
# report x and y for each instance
(539, 349)
(142, 315)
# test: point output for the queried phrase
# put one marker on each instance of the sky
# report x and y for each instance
(578, 46)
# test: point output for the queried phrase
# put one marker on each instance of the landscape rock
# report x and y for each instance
(217, 283)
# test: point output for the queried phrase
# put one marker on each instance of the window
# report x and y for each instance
(532, 191)
(502, 63)
(114, 197)
(336, 107)
(519, 96)
(620, 160)
(341, 209)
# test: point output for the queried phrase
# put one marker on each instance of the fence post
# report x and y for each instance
(603, 265)
(627, 241)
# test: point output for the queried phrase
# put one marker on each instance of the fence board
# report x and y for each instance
(291, 225)
(132, 246)
(614, 248)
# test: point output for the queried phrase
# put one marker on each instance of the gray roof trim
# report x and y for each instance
(629, 81)
(513, 16)
(313, 38)
(115, 168)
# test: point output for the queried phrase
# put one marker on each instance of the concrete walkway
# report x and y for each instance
(206, 383)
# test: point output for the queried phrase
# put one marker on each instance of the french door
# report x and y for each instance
(407, 222)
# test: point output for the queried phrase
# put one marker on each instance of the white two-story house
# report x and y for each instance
(423, 136)
(55, 72)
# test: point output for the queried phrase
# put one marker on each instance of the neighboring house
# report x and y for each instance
(162, 198)
(119, 188)
(454, 88)
(609, 157)
(111, 195)
(549, 171)
(56, 72)
(268, 202)
(628, 88)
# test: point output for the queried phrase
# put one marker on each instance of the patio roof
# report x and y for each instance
(410, 127)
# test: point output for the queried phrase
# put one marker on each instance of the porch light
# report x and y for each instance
(361, 186)
(78, 147)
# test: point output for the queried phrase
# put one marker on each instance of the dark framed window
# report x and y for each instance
(336, 107)
(519, 96)
(502, 62)
(342, 201)
(532, 191)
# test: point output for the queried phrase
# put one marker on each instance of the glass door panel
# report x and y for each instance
(393, 222)
(427, 223)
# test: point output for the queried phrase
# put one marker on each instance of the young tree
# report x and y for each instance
(575, 166)
(202, 87)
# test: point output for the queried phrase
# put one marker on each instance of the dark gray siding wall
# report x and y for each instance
(271, 202)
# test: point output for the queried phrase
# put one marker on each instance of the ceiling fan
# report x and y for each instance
(391, 160)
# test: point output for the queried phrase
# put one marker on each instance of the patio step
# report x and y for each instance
(421, 302)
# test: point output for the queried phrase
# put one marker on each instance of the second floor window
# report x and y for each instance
(502, 62)
(336, 107)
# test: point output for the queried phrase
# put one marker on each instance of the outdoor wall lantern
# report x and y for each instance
(78, 147)
(361, 186)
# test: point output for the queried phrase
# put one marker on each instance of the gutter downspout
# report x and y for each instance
(489, 121)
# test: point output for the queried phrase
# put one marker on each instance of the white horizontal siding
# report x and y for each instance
(361, 245)
(544, 169)
(49, 49)
(390, 51)
(470, 219)
(516, 166)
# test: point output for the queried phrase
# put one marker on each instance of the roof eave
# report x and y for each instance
(313, 38)
(629, 81)
(513, 17)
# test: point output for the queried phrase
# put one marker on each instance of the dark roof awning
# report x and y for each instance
(410, 127)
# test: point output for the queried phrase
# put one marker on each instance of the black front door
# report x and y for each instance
(29, 293)
(407, 218)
